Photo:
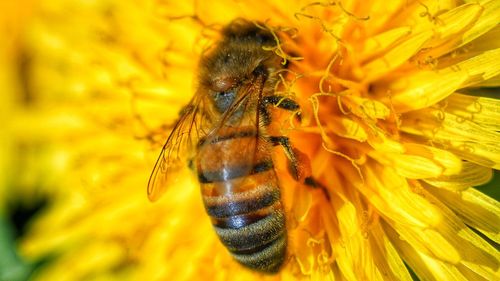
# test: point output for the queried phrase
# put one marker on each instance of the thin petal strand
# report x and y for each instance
(470, 175)
(475, 208)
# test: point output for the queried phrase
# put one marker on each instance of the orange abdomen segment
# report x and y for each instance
(241, 194)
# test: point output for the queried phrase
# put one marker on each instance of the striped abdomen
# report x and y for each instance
(242, 196)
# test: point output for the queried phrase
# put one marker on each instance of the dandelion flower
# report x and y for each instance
(395, 120)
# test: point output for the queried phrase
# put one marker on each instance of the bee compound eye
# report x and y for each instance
(223, 100)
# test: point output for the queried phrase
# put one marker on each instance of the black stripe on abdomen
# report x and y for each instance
(233, 204)
(260, 245)
(253, 235)
(268, 258)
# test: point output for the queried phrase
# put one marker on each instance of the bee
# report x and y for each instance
(226, 133)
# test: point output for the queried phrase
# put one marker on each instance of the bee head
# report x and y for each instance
(244, 30)
(239, 64)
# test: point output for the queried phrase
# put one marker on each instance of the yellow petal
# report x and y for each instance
(352, 242)
(486, 154)
(331, 226)
(431, 242)
(425, 267)
(452, 241)
(381, 42)
(481, 67)
(211, 11)
(428, 87)
(302, 201)
(388, 259)
(382, 14)
(420, 161)
(463, 137)
(475, 208)
(395, 57)
(476, 254)
(116, 62)
(457, 20)
(438, 125)
(480, 110)
(411, 166)
(488, 41)
(305, 256)
(96, 256)
(420, 15)
(440, 240)
(492, 82)
(390, 194)
(424, 88)
(347, 127)
(383, 143)
(450, 163)
(487, 20)
(470, 175)
(451, 23)
(370, 108)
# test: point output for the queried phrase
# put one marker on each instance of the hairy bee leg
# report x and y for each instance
(299, 165)
(283, 103)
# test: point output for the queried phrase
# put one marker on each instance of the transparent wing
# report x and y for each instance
(247, 155)
(248, 101)
(177, 149)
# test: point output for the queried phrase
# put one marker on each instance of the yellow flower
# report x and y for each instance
(395, 122)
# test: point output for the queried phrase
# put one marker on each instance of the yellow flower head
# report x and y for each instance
(396, 124)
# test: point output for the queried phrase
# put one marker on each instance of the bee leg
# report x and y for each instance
(283, 103)
(299, 165)
(292, 155)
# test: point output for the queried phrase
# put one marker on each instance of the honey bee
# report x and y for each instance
(226, 133)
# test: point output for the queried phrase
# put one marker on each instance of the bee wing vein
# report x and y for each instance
(178, 145)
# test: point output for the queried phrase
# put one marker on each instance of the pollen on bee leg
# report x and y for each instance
(301, 167)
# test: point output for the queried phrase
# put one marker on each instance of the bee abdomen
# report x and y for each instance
(232, 204)
(268, 259)
(251, 224)
(263, 230)
(242, 196)
(261, 244)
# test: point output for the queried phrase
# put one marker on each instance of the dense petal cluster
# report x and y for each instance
(396, 122)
